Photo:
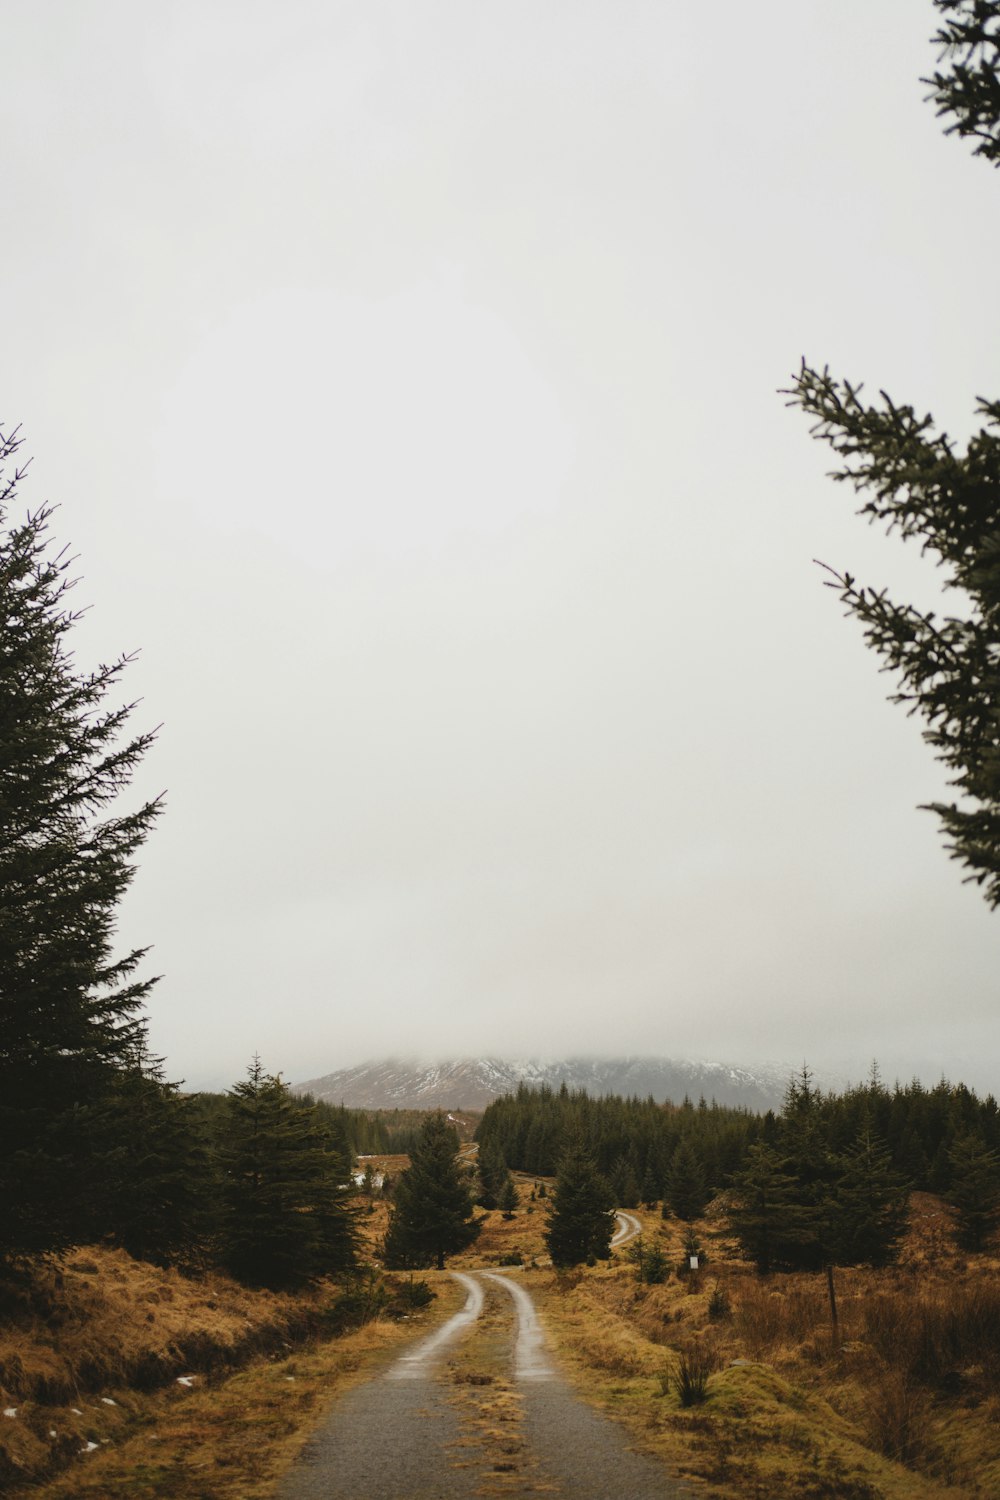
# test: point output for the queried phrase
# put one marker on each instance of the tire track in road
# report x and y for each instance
(530, 1359)
(580, 1452)
(416, 1365)
(628, 1229)
(496, 1418)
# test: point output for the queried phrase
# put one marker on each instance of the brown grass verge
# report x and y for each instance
(904, 1406)
(132, 1401)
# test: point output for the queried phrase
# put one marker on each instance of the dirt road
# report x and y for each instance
(477, 1409)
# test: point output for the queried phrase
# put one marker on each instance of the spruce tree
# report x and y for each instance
(974, 1191)
(650, 1188)
(508, 1200)
(625, 1183)
(774, 1227)
(870, 1206)
(159, 1193)
(969, 90)
(492, 1170)
(582, 1219)
(919, 484)
(70, 1010)
(686, 1189)
(432, 1209)
(287, 1219)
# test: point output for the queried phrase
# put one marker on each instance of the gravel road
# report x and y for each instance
(478, 1408)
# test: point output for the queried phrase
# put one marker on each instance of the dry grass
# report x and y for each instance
(95, 1353)
(905, 1406)
(233, 1439)
(502, 1240)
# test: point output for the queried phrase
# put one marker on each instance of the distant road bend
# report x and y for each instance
(628, 1229)
(476, 1408)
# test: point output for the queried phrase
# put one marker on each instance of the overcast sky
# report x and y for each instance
(406, 374)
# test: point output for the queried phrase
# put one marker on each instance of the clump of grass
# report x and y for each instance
(688, 1377)
(895, 1418)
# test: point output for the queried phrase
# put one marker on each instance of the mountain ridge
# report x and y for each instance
(472, 1083)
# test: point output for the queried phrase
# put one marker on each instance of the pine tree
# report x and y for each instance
(918, 484)
(432, 1212)
(650, 1188)
(974, 1192)
(970, 89)
(508, 1200)
(767, 1215)
(582, 1220)
(804, 1144)
(158, 1194)
(686, 1191)
(492, 1170)
(625, 1184)
(287, 1220)
(871, 1206)
(69, 1009)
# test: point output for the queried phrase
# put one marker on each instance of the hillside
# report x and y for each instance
(472, 1083)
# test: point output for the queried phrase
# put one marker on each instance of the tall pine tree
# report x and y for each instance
(767, 1215)
(686, 1190)
(974, 1190)
(432, 1207)
(287, 1218)
(871, 1206)
(70, 1010)
(157, 1198)
(582, 1219)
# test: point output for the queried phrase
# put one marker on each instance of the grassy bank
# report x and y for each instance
(904, 1404)
(121, 1380)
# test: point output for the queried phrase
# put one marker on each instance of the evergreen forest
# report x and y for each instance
(825, 1180)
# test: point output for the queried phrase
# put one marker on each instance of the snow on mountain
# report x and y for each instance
(471, 1083)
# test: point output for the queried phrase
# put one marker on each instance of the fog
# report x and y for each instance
(407, 376)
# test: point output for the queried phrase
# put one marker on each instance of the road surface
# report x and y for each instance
(628, 1228)
(478, 1408)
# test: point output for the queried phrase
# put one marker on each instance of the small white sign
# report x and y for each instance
(693, 1262)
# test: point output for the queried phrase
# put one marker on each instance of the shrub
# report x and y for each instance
(719, 1307)
(654, 1267)
(365, 1297)
(931, 1338)
(689, 1377)
(413, 1294)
